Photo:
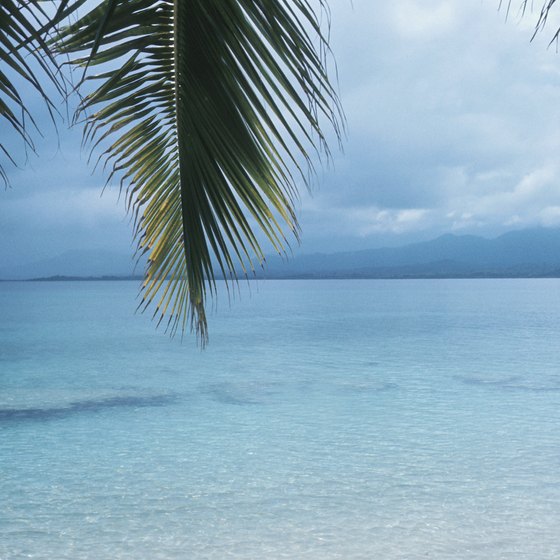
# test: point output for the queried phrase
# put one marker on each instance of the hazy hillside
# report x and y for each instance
(529, 253)
(520, 253)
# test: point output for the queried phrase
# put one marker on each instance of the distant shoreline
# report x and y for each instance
(474, 276)
(61, 278)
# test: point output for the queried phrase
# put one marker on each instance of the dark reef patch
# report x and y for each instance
(84, 406)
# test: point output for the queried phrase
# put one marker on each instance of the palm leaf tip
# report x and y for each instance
(212, 105)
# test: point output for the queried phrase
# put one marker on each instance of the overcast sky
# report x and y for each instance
(453, 125)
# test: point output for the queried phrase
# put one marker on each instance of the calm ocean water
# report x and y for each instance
(327, 419)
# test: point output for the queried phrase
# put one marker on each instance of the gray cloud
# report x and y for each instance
(452, 114)
(453, 125)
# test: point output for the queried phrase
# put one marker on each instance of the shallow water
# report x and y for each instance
(327, 419)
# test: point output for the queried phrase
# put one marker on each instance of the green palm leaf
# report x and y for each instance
(25, 58)
(201, 108)
(543, 15)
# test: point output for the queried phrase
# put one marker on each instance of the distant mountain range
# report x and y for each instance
(524, 253)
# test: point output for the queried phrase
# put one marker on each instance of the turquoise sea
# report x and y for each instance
(326, 420)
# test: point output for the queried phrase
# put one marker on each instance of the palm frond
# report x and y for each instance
(25, 58)
(202, 109)
(544, 12)
(543, 19)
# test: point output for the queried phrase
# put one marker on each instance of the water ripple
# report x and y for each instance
(513, 383)
(239, 393)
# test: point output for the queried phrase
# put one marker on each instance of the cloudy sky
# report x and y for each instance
(453, 125)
